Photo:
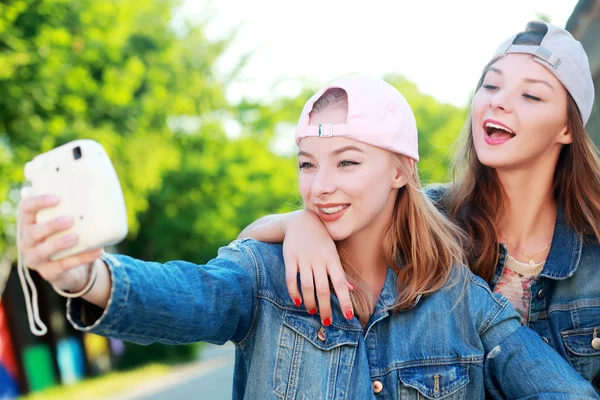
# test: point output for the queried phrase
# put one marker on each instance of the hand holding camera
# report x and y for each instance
(39, 241)
(73, 209)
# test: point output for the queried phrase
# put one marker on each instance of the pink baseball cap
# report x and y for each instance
(377, 115)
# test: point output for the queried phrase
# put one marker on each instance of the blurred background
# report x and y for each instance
(196, 103)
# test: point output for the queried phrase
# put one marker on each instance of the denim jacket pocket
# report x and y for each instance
(583, 347)
(442, 381)
(313, 361)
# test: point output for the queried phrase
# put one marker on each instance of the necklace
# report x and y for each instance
(531, 262)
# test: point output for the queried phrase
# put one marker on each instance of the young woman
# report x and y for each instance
(424, 325)
(528, 196)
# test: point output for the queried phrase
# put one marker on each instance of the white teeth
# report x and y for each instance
(332, 210)
(490, 125)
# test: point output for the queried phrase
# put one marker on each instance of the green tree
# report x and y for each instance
(113, 71)
(221, 186)
(439, 126)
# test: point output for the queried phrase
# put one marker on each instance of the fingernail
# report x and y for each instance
(312, 311)
(50, 199)
(297, 302)
(327, 321)
(349, 314)
(351, 286)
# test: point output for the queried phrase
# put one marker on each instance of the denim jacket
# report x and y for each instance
(453, 344)
(565, 296)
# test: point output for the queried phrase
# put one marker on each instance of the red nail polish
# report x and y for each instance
(312, 311)
(349, 314)
(327, 321)
(297, 302)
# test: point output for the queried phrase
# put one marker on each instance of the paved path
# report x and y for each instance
(208, 379)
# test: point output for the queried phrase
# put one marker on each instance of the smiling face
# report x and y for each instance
(351, 185)
(519, 114)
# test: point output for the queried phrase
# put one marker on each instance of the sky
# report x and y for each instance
(442, 46)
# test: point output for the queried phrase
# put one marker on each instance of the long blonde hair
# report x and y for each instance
(419, 243)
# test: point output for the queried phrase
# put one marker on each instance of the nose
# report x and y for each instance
(323, 184)
(501, 100)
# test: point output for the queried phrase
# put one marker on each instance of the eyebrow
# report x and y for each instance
(528, 80)
(334, 152)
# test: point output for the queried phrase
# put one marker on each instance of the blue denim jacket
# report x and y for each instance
(453, 344)
(565, 297)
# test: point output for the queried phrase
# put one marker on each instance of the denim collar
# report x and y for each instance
(387, 299)
(565, 252)
(389, 293)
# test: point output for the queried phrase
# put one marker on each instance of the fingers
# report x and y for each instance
(41, 253)
(323, 293)
(341, 287)
(308, 289)
(315, 279)
(29, 207)
(291, 278)
(53, 270)
(36, 233)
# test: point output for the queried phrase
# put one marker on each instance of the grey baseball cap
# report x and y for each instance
(562, 54)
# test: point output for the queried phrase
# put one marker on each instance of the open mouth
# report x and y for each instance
(497, 132)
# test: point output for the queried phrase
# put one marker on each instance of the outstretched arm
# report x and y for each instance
(177, 302)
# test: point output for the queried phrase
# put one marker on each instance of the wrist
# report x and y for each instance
(290, 218)
(86, 276)
(82, 290)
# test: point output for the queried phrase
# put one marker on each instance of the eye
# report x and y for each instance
(488, 86)
(530, 97)
(305, 165)
(347, 163)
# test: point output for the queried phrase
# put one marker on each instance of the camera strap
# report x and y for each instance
(36, 326)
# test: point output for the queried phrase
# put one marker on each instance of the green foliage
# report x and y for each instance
(438, 125)
(112, 71)
(220, 187)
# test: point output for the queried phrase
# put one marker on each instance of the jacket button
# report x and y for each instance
(596, 343)
(377, 387)
(545, 339)
(321, 334)
(541, 294)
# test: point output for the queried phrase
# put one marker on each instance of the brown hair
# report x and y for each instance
(476, 199)
(420, 243)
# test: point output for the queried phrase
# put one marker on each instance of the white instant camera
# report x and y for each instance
(81, 174)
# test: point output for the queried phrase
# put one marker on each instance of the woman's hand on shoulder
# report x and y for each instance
(309, 251)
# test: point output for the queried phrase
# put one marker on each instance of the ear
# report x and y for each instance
(400, 179)
(565, 136)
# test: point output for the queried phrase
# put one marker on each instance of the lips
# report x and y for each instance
(496, 133)
(332, 212)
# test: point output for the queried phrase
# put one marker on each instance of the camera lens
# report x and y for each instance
(77, 153)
